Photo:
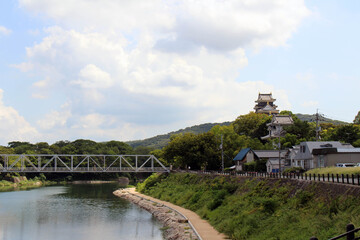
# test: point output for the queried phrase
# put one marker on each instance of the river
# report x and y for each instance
(78, 212)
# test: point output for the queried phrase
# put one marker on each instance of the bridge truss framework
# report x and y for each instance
(80, 163)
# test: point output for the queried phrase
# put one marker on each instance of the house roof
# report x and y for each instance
(334, 144)
(310, 146)
(269, 153)
(275, 162)
(348, 150)
(329, 150)
(241, 155)
(282, 120)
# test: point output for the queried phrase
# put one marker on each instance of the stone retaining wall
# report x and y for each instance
(176, 226)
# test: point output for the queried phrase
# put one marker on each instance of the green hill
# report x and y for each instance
(311, 118)
(160, 141)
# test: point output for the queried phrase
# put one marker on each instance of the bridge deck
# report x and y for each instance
(80, 163)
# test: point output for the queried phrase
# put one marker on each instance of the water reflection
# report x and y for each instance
(73, 212)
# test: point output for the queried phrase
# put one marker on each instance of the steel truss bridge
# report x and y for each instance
(80, 163)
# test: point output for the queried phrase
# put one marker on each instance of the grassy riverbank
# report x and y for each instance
(260, 208)
(24, 183)
(335, 170)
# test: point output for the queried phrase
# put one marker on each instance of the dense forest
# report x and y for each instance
(200, 146)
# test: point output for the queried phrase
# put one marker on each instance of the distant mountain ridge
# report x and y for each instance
(311, 118)
(160, 141)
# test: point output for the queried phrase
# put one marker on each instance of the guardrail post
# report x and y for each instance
(350, 227)
(358, 177)
(337, 178)
(353, 180)
(347, 178)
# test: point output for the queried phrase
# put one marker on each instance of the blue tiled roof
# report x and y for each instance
(240, 156)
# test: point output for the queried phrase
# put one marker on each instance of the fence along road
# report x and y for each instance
(331, 178)
(80, 163)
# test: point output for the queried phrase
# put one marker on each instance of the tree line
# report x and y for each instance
(203, 151)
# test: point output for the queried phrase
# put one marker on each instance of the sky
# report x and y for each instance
(132, 69)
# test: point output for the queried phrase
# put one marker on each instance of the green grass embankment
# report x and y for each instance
(23, 184)
(335, 170)
(260, 208)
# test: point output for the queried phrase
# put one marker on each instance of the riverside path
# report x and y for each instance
(202, 227)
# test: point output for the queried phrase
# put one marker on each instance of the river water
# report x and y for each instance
(77, 212)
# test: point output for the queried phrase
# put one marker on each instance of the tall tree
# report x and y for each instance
(252, 125)
(195, 151)
(349, 133)
(357, 118)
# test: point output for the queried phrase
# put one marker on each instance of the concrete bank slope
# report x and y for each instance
(202, 227)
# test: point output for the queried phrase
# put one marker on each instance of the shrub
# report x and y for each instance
(294, 170)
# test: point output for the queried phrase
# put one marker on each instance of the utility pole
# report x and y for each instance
(222, 154)
(279, 154)
(318, 128)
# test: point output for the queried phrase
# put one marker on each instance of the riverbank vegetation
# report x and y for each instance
(260, 208)
(15, 181)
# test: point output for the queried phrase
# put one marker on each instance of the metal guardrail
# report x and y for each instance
(350, 179)
(350, 233)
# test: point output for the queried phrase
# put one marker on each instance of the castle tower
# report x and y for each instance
(265, 104)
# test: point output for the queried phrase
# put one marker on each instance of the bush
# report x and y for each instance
(294, 170)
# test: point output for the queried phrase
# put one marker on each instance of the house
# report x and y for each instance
(272, 165)
(305, 156)
(290, 160)
(272, 159)
(246, 155)
(330, 156)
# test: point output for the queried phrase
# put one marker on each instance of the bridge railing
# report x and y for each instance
(80, 163)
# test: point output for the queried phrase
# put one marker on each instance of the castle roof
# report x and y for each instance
(265, 97)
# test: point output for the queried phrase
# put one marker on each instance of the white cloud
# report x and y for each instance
(55, 119)
(4, 30)
(24, 67)
(93, 77)
(153, 63)
(215, 24)
(13, 126)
